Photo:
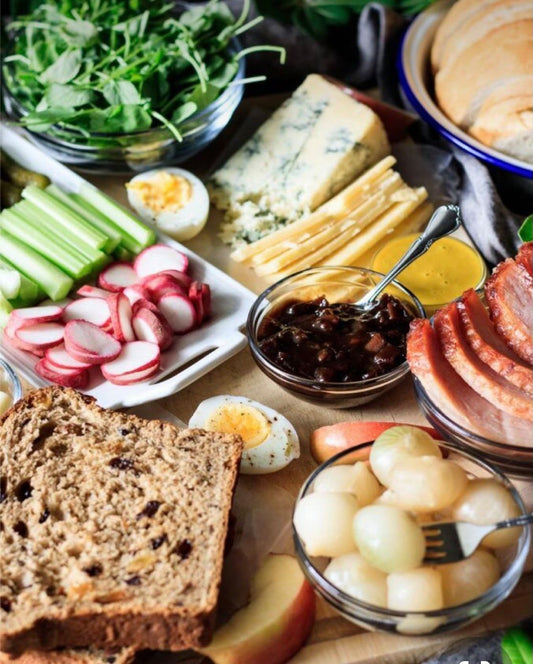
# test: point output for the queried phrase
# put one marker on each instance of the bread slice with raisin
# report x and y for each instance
(112, 527)
(72, 656)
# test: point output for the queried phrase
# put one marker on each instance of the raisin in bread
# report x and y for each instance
(85, 656)
(112, 527)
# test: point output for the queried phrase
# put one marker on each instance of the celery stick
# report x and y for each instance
(126, 240)
(90, 215)
(14, 223)
(65, 217)
(123, 254)
(9, 282)
(55, 283)
(28, 293)
(64, 235)
(5, 310)
(122, 218)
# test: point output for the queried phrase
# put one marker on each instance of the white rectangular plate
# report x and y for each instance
(191, 355)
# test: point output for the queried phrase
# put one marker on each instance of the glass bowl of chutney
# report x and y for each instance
(307, 335)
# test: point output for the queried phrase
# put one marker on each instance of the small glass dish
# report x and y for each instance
(514, 460)
(512, 560)
(337, 284)
(10, 384)
(116, 153)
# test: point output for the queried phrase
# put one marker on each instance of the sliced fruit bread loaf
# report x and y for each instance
(71, 656)
(112, 527)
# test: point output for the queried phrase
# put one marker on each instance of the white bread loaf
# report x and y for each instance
(482, 56)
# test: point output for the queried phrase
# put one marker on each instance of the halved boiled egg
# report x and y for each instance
(174, 199)
(270, 441)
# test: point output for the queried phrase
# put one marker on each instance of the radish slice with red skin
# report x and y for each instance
(117, 277)
(160, 257)
(77, 378)
(41, 335)
(136, 292)
(179, 312)
(9, 337)
(92, 309)
(34, 315)
(89, 343)
(120, 309)
(206, 299)
(151, 326)
(181, 277)
(160, 284)
(195, 296)
(59, 358)
(145, 304)
(156, 281)
(135, 356)
(92, 291)
(134, 377)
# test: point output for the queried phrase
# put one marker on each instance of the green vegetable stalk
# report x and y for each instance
(121, 66)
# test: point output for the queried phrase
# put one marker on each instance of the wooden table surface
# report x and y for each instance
(265, 502)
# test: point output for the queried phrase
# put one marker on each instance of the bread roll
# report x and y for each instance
(482, 56)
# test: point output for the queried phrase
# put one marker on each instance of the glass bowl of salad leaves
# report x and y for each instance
(122, 85)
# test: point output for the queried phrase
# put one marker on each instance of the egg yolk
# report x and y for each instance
(164, 191)
(246, 421)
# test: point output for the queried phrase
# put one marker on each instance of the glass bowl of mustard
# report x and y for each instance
(441, 275)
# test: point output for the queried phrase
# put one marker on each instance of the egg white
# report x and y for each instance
(278, 449)
(182, 224)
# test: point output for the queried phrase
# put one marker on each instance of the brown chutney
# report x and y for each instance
(336, 342)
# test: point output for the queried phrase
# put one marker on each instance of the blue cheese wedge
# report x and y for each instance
(316, 143)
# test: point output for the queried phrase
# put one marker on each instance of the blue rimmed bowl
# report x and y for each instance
(416, 82)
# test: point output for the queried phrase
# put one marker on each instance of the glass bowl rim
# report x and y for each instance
(14, 380)
(322, 584)
(399, 371)
(423, 397)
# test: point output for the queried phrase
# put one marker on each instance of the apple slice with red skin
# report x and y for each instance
(329, 440)
(275, 623)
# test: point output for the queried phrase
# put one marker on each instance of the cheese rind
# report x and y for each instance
(317, 142)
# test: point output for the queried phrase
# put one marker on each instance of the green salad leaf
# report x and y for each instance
(525, 232)
(120, 66)
(517, 647)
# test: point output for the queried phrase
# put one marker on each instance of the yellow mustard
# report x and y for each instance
(442, 274)
(163, 192)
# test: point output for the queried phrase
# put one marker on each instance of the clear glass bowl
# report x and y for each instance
(512, 560)
(9, 382)
(137, 151)
(337, 284)
(514, 460)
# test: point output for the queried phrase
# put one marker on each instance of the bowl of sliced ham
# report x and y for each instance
(473, 367)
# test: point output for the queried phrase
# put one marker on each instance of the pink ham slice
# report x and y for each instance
(454, 397)
(509, 293)
(524, 256)
(486, 382)
(488, 346)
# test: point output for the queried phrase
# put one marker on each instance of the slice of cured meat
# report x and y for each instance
(486, 382)
(449, 392)
(509, 293)
(525, 256)
(486, 343)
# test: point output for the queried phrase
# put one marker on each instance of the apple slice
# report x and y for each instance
(276, 622)
(329, 440)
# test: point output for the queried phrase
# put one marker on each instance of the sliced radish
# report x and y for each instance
(206, 299)
(77, 378)
(134, 357)
(195, 296)
(159, 257)
(92, 309)
(151, 326)
(59, 358)
(92, 291)
(88, 343)
(136, 292)
(134, 376)
(34, 315)
(41, 335)
(179, 312)
(181, 277)
(145, 304)
(117, 277)
(161, 284)
(121, 314)
(10, 338)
